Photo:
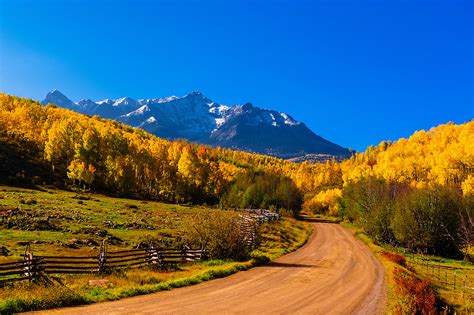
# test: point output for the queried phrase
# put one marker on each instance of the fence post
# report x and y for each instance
(154, 257)
(29, 264)
(103, 256)
(149, 258)
(185, 253)
(203, 253)
(159, 257)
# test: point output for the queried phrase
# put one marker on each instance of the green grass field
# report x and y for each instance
(56, 222)
(52, 219)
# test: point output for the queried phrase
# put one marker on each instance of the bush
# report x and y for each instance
(417, 296)
(427, 220)
(221, 235)
(370, 203)
(396, 258)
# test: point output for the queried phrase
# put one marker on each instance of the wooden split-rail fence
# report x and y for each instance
(34, 268)
(260, 215)
(250, 219)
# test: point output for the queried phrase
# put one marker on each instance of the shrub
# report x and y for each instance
(370, 203)
(221, 235)
(396, 258)
(427, 220)
(416, 295)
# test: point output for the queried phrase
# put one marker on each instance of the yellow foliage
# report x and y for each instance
(327, 201)
(130, 160)
(468, 186)
(442, 156)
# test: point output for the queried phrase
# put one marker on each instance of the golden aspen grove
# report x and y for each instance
(415, 192)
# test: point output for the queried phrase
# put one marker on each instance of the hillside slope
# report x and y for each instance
(56, 144)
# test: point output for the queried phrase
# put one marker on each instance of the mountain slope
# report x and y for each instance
(197, 118)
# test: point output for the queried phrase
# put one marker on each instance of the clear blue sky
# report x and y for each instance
(356, 72)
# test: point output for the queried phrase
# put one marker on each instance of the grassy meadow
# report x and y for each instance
(58, 222)
(52, 220)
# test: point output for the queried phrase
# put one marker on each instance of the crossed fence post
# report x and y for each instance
(185, 253)
(28, 262)
(154, 256)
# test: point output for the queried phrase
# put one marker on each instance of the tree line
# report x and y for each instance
(105, 155)
(415, 192)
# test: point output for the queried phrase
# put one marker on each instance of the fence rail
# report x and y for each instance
(459, 279)
(33, 268)
(250, 219)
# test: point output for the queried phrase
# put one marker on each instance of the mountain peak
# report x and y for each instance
(125, 101)
(58, 98)
(197, 98)
(197, 118)
(247, 106)
(55, 92)
(195, 93)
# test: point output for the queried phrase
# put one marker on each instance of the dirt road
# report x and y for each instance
(333, 273)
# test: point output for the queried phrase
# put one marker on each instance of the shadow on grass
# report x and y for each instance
(319, 220)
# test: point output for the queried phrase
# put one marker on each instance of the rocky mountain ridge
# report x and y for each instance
(199, 119)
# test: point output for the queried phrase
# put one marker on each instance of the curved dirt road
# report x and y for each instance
(332, 274)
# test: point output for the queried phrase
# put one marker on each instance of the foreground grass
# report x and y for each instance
(452, 300)
(76, 291)
(75, 219)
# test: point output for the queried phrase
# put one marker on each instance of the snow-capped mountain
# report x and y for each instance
(197, 118)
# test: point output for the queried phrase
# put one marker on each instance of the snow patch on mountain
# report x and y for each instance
(289, 120)
(151, 120)
(106, 101)
(197, 118)
(140, 111)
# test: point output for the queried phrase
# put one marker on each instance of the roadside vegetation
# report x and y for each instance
(410, 198)
(413, 286)
(417, 193)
